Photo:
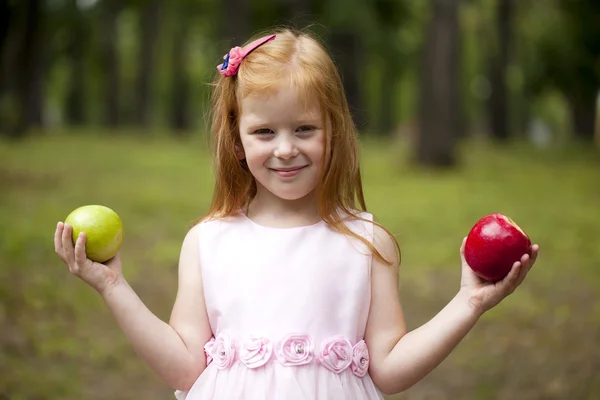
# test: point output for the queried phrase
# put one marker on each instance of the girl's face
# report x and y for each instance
(282, 142)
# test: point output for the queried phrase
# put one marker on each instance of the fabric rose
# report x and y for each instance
(255, 352)
(231, 61)
(336, 354)
(223, 351)
(295, 349)
(208, 347)
(360, 359)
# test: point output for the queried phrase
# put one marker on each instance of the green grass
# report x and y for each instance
(58, 341)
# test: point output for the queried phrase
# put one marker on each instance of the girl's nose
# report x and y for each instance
(285, 149)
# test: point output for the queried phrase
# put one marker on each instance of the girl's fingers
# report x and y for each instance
(58, 238)
(67, 244)
(80, 256)
(526, 266)
(510, 282)
(462, 251)
(527, 262)
(534, 253)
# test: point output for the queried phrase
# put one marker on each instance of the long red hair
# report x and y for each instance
(300, 59)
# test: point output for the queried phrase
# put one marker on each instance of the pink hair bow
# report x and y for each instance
(233, 59)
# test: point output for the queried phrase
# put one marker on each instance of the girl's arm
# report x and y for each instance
(399, 359)
(174, 350)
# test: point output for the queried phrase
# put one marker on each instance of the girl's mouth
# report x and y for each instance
(288, 172)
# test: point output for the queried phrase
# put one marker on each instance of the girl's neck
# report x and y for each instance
(269, 210)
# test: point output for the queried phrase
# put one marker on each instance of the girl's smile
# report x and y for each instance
(289, 172)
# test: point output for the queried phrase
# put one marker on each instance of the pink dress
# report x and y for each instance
(288, 309)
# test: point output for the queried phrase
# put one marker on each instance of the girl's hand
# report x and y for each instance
(99, 276)
(484, 295)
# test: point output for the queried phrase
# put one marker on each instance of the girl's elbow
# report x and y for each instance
(391, 388)
(385, 388)
(182, 387)
(184, 382)
(387, 384)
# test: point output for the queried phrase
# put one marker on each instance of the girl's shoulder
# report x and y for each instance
(358, 218)
(215, 220)
(208, 226)
(365, 224)
(361, 225)
(363, 216)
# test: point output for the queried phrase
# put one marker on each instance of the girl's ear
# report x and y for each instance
(239, 151)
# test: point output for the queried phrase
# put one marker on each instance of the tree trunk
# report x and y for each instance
(29, 69)
(298, 12)
(149, 33)
(110, 62)
(6, 15)
(348, 53)
(235, 15)
(180, 80)
(440, 107)
(499, 99)
(388, 99)
(583, 117)
(76, 98)
(8, 48)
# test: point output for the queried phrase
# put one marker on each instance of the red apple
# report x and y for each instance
(494, 244)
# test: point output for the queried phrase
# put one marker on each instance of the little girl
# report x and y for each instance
(288, 289)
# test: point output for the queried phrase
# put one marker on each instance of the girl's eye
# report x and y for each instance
(306, 128)
(263, 131)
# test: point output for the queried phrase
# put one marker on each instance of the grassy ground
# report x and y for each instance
(57, 341)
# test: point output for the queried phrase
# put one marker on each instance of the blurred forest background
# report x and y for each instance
(465, 107)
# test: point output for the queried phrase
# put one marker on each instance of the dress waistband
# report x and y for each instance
(335, 353)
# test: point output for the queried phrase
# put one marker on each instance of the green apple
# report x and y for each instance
(103, 229)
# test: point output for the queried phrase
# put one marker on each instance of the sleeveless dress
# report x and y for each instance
(288, 309)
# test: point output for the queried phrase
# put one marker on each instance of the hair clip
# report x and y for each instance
(234, 57)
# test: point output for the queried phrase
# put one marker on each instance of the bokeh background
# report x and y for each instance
(464, 108)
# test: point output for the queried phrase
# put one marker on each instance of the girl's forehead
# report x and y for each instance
(279, 101)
